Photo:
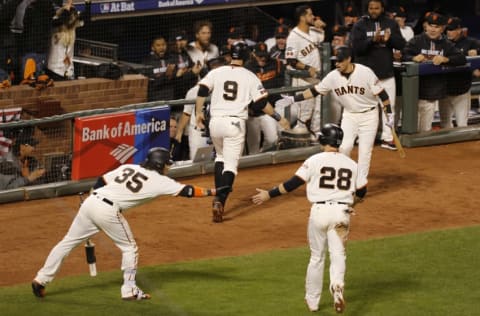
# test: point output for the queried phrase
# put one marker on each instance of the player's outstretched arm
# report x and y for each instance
(285, 187)
(190, 191)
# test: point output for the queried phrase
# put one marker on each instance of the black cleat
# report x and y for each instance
(38, 289)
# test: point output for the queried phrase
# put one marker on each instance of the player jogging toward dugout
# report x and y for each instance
(233, 89)
(116, 191)
(330, 177)
(357, 90)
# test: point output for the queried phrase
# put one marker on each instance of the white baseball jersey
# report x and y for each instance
(190, 108)
(357, 93)
(232, 88)
(197, 55)
(304, 47)
(130, 185)
(330, 176)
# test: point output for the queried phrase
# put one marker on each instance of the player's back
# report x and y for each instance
(331, 176)
(130, 185)
(234, 88)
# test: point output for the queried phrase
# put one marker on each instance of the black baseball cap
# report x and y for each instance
(343, 52)
(26, 140)
(454, 23)
(236, 32)
(435, 18)
(281, 31)
(399, 12)
(339, 30)
(350, 11)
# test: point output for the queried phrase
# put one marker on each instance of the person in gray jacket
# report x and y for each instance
(18, 168)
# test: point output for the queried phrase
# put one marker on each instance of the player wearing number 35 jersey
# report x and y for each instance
(118, 190)
(233, 89)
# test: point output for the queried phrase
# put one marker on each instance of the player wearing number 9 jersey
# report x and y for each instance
(331, 186)
(127, 186)
(233, 89)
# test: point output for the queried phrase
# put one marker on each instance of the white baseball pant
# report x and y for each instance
(255, 127)
(390, 88)
(228, 137)
(196, 140)
(426, 111)
(328, 226)
(458, 105)
(95, 215)
(365, 126)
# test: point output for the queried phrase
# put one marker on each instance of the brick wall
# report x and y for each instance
(70, 96)
(79, 95)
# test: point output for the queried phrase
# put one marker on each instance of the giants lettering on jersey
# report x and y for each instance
(349, 90)
(431, 52)
(307, 50)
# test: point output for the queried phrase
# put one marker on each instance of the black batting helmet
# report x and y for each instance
(331, 134)
(239, 50)
(157, 158)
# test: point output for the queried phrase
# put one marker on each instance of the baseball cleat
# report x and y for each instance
(310, 307)
(217, 211)
(136, 295)
(38, 289)
(388, 145)
(338, 300)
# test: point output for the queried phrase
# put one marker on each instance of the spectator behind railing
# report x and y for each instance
(374, 37)
(431, 46)
(458, 83)
(19, 168)
(186, 71)
(60, 59)
(271, 73)
(160, 85)
(303, 53)
(202, 49)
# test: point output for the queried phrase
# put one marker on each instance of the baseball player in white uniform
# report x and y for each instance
(188, 120)
(330, 177)
(357, 89)
(302, 53)
(115, 192)
(233, 88)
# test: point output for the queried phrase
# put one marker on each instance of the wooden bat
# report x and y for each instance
(396, 140)
(89, 249)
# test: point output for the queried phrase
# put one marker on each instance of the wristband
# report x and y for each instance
(307, 67)
(276, 116)
(298, 97)
(274, 192)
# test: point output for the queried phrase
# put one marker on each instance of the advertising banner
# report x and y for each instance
(103, 142)
(111, 7)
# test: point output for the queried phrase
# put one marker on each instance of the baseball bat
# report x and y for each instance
(396, 140)
(89, 249)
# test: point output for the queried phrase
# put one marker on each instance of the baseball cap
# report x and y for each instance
(343, 52)
(281, 31)
(339, 30)
(435, 18)
(23, 139)
(350, 11)
(179, 35)
(399, 12)
(236, 32)
(454, 23)
(260, 50)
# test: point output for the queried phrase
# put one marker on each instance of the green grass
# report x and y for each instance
(433, 273)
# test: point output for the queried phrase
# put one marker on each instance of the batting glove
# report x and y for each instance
(390, 120)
